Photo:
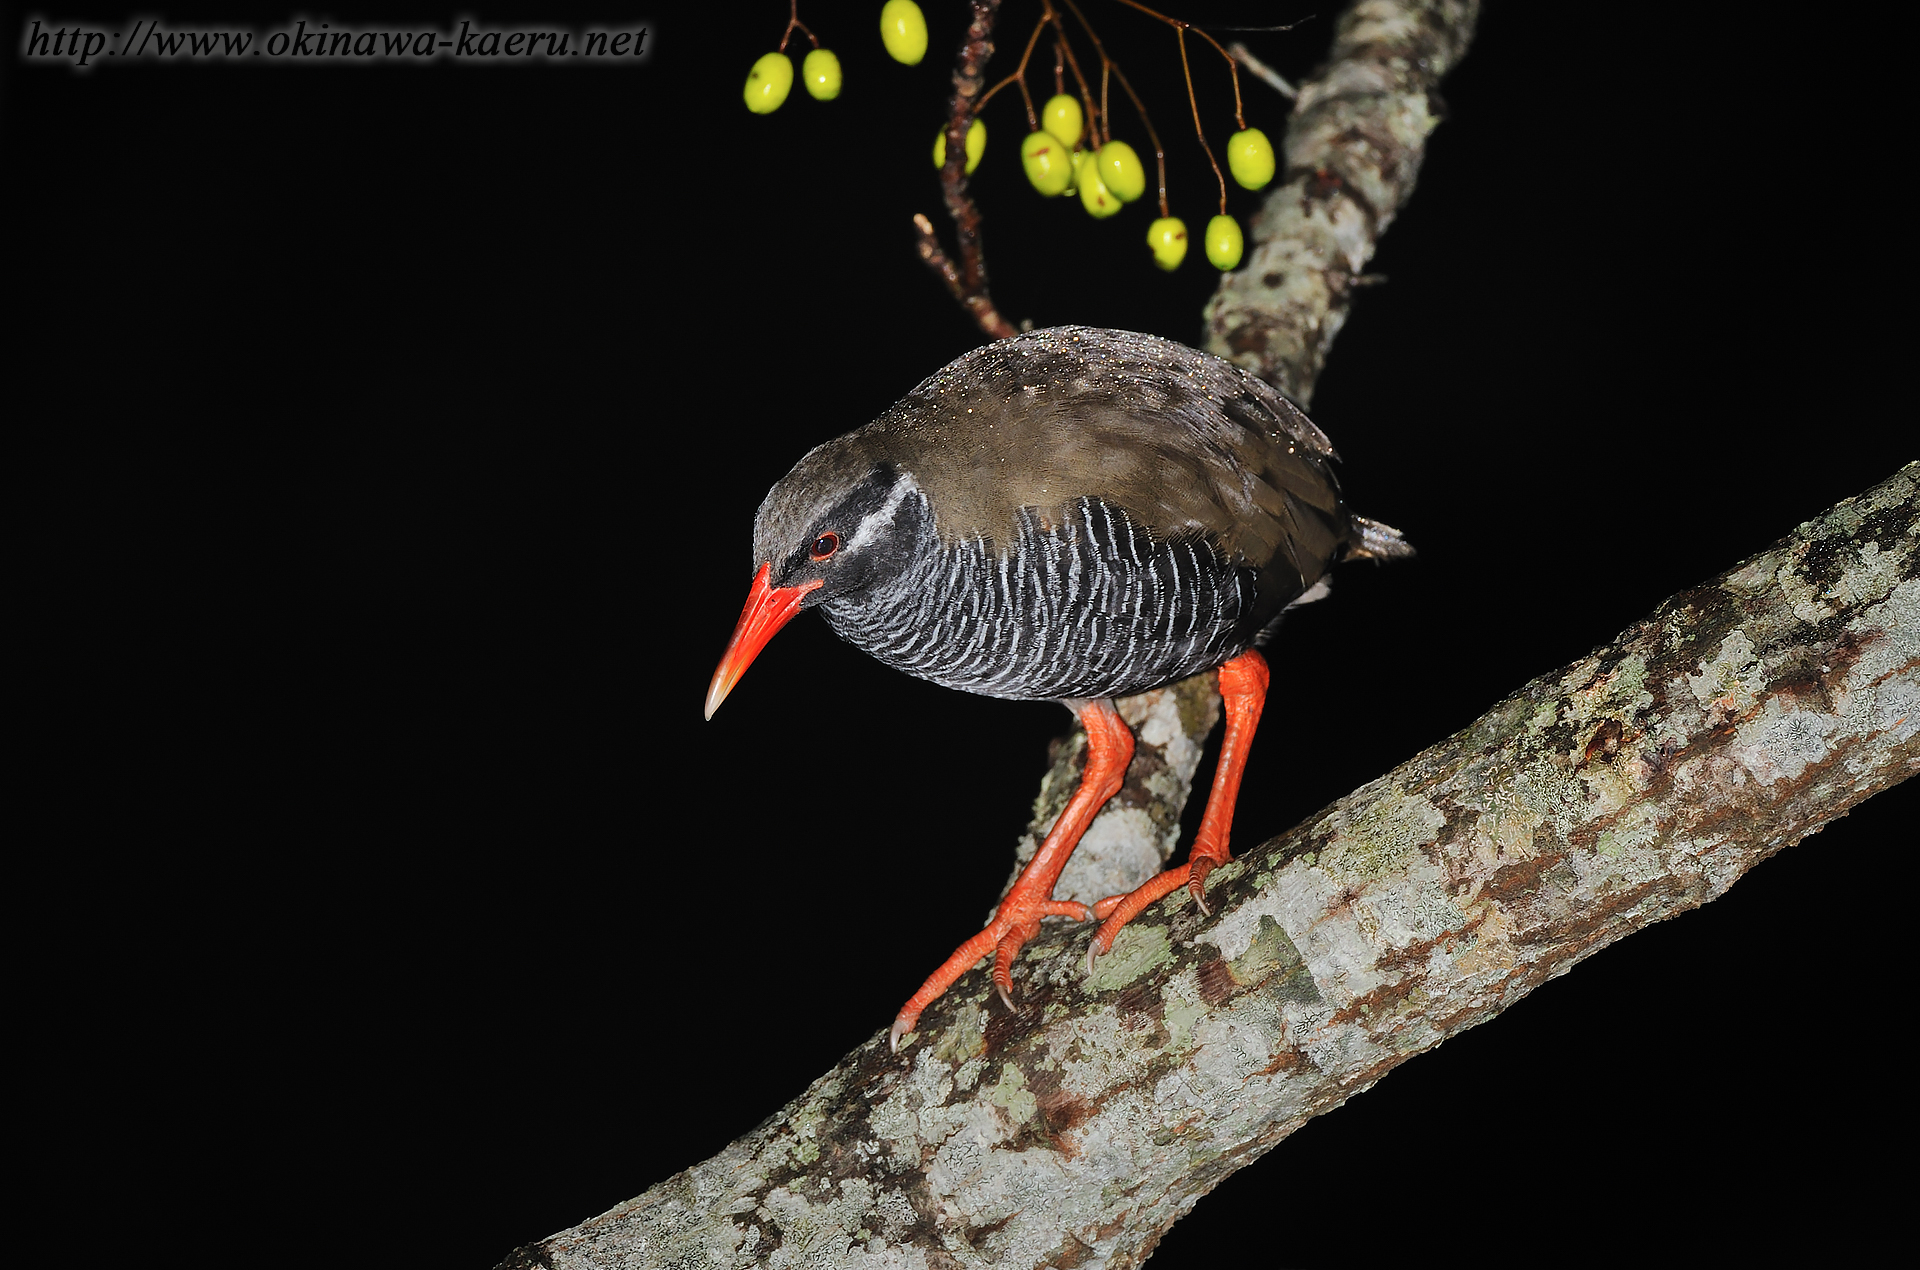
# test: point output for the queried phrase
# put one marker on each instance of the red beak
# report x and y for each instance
(768, 609)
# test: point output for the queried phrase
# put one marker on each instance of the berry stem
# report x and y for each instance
(1233, 67)
(793, 20)
(1019, 77)
(1159, 153)
(1180, 33)
(1140, 107)
(1065, 47)
(1102, 131)
(1106, 118)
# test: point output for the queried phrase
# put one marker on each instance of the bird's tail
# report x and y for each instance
(1375, 541)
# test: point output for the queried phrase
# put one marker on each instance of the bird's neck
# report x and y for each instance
(934, 618)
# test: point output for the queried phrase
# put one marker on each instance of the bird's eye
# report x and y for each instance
(825, 545)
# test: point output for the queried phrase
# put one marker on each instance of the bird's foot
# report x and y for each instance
(1109, 749)
(1117, 910)
(1015, 922)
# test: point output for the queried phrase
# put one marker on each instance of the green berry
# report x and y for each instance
(821, 71)
(1250, 157)
(1049, 164)
(903, 29)
(976, 146)
(1168, 238)
(1061, 116)
(768, 83)
(1094, 194)
(1121, 169)
(1225, 242)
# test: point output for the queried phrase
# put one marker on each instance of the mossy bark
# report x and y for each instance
(1639, 782)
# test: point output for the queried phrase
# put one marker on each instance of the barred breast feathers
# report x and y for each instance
(1089, 606)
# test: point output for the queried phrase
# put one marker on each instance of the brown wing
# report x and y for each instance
(1182, 440)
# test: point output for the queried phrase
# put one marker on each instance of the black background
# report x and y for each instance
(403, 429)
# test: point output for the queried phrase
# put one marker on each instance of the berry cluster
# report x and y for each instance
(1112, 175)
(903, 28)
(771, 79)
(1106, 173)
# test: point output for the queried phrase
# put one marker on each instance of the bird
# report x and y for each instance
(1073, 515)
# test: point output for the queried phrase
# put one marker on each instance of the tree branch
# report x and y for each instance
(1353, 148)
(1640, 781)
(1269, 76)
(968, 281)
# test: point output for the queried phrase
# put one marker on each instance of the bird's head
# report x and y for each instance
(840, 522)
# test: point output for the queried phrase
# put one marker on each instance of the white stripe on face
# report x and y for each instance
(877, 520)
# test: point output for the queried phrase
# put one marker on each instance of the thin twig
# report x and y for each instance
(968, 282)
(1245, 57)
(976, 303)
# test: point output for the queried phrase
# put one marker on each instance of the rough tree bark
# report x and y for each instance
(1637, 783)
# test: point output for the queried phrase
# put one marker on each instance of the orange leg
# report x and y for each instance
(1109, 750)
(1243, 690)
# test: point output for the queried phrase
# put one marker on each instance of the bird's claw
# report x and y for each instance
(1102, 942)
(1116, 911)
(1015, 922)
(1197, 881)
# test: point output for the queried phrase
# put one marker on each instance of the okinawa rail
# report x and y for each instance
(1069, 515)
